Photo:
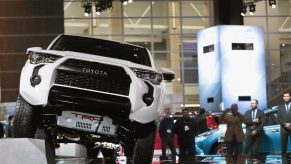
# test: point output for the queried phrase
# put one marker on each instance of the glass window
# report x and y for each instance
(160, 8)
(193, 25)
(190, 75)
(162, 59)
(195, 8)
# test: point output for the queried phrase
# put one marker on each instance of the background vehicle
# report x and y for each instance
(212, 142)
(95, 92)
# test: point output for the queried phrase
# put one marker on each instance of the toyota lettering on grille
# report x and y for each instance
(94, 71)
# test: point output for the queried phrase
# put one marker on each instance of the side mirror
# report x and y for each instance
(168, 74)
(33, 49)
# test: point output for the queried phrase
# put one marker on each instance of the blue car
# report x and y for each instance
(212, 142)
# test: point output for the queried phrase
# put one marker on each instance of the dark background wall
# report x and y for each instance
(228, 12)
(24, 24)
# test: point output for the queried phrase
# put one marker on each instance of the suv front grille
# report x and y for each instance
(73, 73)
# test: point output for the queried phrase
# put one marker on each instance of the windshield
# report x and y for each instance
(105, 48)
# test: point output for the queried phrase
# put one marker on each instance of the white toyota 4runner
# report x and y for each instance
(94, 92)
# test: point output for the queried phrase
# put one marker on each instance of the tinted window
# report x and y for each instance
(271, 119)
(105, 48)
(242, 46)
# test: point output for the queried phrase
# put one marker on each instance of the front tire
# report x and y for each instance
(144, 143)
(25, 119)
(109, 156)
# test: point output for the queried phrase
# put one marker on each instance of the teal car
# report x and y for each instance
(212, 142)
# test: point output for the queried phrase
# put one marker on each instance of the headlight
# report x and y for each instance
(151, 76)
(36, 58)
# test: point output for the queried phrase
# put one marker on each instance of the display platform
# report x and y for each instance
(25, 151)
(28, 151)
(207, 159)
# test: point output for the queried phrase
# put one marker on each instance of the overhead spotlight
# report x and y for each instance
(98, 9)
(130, 1)
(87, 11)
(87, 6)
(102, 5)
(109, 4)
(272, 3)
(124, 2)
(244, 11)
(252, 9)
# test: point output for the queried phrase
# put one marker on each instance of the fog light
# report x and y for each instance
(35, 80)
(148, 99)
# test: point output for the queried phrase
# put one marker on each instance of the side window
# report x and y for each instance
(271, 119)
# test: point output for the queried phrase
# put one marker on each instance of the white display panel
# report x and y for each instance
(243, 65)
(209, 68)
(242, 75)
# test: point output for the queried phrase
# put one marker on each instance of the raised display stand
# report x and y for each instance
(25, 151)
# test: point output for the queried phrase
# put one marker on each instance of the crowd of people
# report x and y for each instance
(185, 128)
(254, 119)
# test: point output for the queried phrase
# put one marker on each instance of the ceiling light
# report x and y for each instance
(87, 11)
(87, 7)
(124, 2)
(272, 3)
(102, 5)
(252, 9)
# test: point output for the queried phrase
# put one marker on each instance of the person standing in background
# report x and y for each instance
(284, 118)
(201, 121)
(1, 130)
(9, 129)
(234, 135)
(254, 120)
(166, 132)
(185, 128)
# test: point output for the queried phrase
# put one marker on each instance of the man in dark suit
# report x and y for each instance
(254, 120)
(185, 128)
(1, 130)
(201, 121)
(284, 118)
(166, 131)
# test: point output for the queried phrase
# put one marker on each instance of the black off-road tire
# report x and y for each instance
(92, 152)
(144, 143)
(109, 156)
(25, 120)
